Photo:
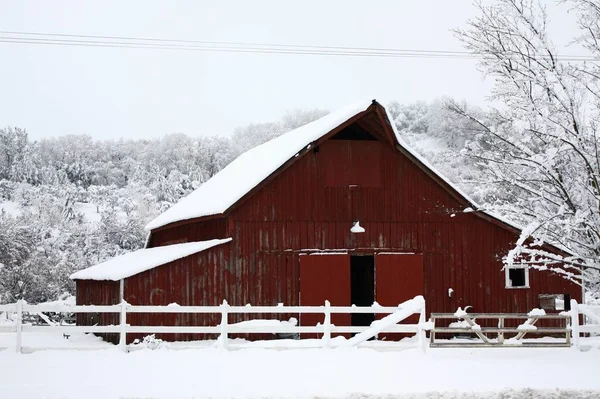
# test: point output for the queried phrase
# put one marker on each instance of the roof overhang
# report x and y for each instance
(139, 261)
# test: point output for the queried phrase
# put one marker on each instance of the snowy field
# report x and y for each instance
(383, 372)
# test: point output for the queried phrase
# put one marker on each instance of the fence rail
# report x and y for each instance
(326, 328)
(468, 325)
(573, 328)
(588, 314)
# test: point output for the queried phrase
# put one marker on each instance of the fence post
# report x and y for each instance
(421, 338)
(19, 325)
(575, 323)
(224, 321)
(123, 327)
(327, 326)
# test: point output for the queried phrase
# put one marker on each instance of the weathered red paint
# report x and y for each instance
(91, 292)
(309, 204)
(398, 278)
(318, 275)
(188, 231)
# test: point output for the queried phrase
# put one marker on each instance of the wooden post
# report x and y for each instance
(123, 327)
(19, 325)
(575, 323)
(421, 335)
(122, 318)
(432, 332)
(500, 333)
(224, 321)
(327, 326)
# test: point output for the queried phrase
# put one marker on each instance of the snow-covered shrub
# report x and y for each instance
(151, 342)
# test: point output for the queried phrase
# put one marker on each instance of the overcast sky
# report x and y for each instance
(136, 93)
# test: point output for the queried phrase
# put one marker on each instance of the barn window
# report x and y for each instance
(517, 277)
(552, 302)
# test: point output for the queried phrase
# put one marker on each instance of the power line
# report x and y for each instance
(136, 42)
(205, 42)
(223, 49)
(57, 39)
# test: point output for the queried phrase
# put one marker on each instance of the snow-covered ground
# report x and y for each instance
(507, 373)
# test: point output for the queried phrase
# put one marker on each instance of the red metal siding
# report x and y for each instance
(193, 280)
(90, 292)
(208, 278)
(348, 162)
(189, 232)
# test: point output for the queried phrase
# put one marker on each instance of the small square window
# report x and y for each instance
(517, 277)
(554, 302)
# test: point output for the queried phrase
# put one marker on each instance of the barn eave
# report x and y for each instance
(136, 262)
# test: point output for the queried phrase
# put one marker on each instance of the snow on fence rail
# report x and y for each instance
(388, 324)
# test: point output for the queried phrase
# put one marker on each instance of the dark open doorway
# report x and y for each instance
(362, 287)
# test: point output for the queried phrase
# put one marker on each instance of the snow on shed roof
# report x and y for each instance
(143, 259)
(225, 188)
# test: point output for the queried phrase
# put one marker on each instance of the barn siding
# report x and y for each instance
(193, 280)
(410, 212)
(91, 292)
(189, 232)
(199, 280)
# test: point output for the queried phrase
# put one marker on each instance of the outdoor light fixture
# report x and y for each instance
(357, 228)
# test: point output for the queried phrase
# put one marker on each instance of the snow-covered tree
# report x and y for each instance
(81, 201)
(12, 145)
(541, 143)
(299, 117)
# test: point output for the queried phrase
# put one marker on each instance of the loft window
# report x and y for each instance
(517, 277)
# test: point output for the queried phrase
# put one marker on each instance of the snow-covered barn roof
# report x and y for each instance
(241, 176)
(143, 259)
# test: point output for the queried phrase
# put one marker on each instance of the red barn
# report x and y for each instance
(283, 223)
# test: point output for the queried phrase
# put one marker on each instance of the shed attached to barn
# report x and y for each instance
(340, 210)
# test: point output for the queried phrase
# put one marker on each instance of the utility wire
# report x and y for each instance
(57, 39)
(228, 43)
(131, 42)
(224, 49)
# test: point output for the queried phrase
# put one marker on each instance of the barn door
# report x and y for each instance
(398, 278)
(324, 277)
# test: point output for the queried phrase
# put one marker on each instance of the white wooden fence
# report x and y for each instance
(388, 324)
(591, 318)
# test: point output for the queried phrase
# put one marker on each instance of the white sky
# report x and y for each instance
(135, 93)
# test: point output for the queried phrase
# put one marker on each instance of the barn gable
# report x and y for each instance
(255, 168)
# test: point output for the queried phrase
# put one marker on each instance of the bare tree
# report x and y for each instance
(541, 141)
